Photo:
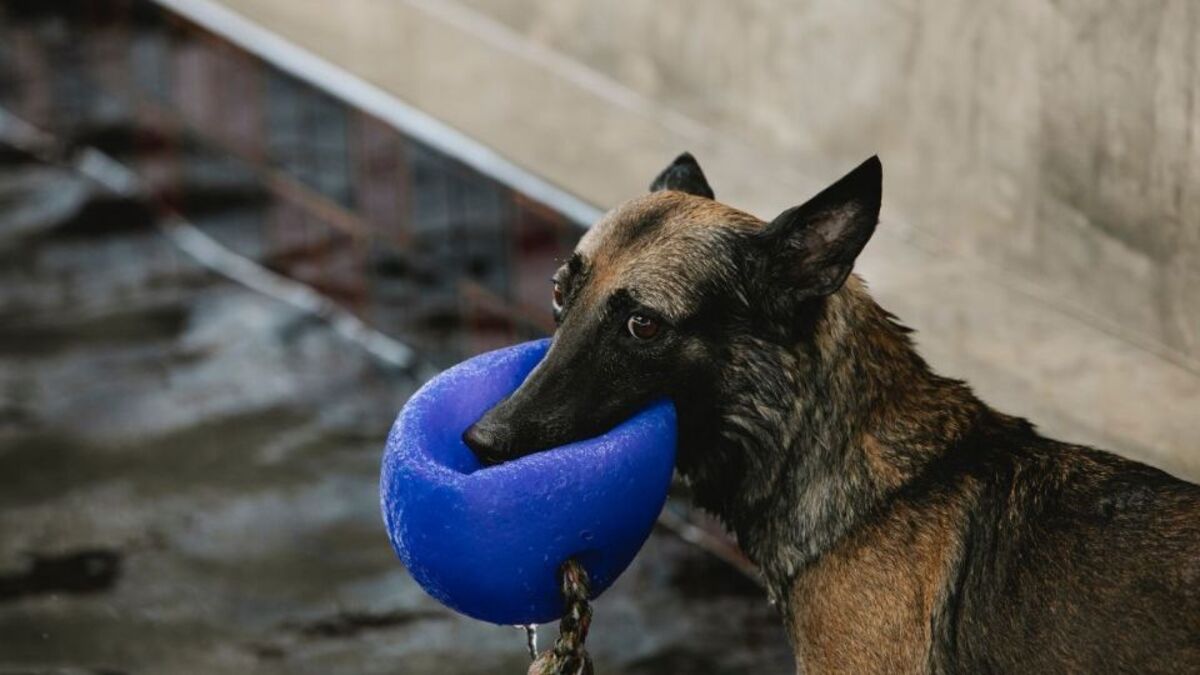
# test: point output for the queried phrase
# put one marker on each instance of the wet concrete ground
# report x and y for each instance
(188, 473)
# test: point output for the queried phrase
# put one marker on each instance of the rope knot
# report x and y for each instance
(568, 655)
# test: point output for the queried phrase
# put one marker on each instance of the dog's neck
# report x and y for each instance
(805, 438)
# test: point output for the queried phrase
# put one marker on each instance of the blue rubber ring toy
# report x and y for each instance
(489, 541)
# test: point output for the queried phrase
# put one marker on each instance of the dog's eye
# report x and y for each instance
(557, 297)
(642, 327)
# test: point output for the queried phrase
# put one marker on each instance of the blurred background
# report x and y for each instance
(235, 235)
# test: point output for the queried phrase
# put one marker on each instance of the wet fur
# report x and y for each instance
(900, 523)
(904, 526)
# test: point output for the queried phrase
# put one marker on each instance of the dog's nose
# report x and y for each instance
(488, 442)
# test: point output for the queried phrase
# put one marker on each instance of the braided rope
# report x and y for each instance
(568, 656)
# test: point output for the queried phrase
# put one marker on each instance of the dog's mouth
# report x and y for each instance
(491, 451)
(488, 446)
(496, 443)
(570, 396)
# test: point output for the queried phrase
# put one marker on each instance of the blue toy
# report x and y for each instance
(489, 541)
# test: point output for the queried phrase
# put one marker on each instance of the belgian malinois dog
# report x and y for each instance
(900, 523)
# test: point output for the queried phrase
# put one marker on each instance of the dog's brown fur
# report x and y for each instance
(865, 605)
(900, 523)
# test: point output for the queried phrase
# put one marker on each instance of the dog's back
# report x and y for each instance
(1012, 553)
(1078, 560)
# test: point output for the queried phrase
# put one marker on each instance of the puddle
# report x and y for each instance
(78, 572)
(348, 624)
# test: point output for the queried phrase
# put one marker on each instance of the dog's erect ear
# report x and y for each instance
(811, 248)
(683, 175)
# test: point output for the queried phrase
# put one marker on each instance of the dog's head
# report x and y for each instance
(658, 291)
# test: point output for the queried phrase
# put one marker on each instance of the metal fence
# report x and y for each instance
(415, 242)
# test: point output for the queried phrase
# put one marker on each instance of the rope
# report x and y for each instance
(568, 656)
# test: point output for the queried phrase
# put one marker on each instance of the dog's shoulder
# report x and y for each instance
(879, 600)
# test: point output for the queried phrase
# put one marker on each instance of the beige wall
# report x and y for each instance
(1060, 140)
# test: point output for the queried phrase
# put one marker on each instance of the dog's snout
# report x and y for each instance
(488, 441)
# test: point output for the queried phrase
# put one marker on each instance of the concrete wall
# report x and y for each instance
(1041, 225)
(1059, 140)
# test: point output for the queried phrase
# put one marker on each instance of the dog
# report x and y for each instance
(900, 524)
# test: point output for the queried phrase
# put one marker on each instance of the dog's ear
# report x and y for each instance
(683, 175)
(811, 248)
